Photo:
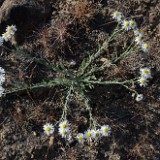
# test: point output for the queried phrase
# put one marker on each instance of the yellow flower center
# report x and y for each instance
(10, 28)
(48, 128)
(146, 46)
(80, 138)
(116, 13)
(139, 31)
(5, 34)
(64, 132)
(105, 130)
(64, 125)
(127, 24)
(146, 71)
(139, 38)
(132, 23)
(89, 134)
(143, 81)
(97, 134)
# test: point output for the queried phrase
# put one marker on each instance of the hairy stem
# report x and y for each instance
(98, 53)
(64, 113)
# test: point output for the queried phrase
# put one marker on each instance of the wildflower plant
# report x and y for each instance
(97, 134)
(143, 82)
(145, 76)
(48, 129)
(80, 137)
(105, 130)
(84, 78)
(11, 29)
(126, 25)
(88, 135)
(6, 36)
(116, 15)
(64, 129)
(138, 32)
(138, 40)
(145, 47)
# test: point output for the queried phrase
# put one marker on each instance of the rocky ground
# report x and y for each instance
(64, 30)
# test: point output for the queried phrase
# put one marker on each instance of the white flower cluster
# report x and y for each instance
(131, 24)
(2, 80)
(65, 131)
(10, 31)
(143, 81)
(94, 134)
(145, 76)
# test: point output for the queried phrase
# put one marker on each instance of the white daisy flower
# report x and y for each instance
(120, 19)
(139, 97)
(138, 40)
(11, 29)
(132, 24)
(143, 82)
(1, 41)
(80, 137)
(88, 134)
(2, 75)
(6, 36)
(2, 79)
(145, 47)
(126, 25)
(1, 90)
(96, 134)
(116, 15)
(48, 129)
(64, 132)
(105, 130)
(64, 129)
(64, 124)
(138, 33)
(2, 71)
(146, 73)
